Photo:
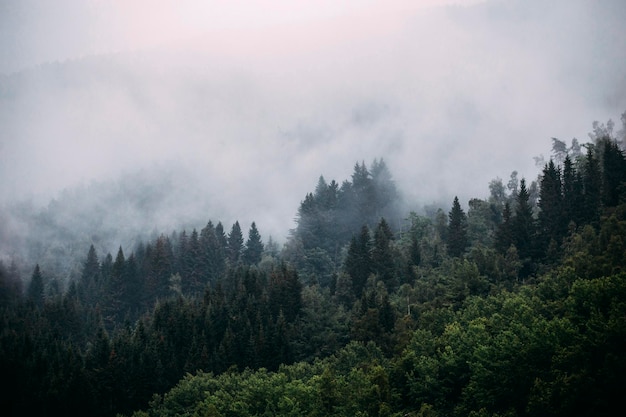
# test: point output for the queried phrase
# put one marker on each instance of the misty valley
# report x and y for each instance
(509, 305)
(316, 208)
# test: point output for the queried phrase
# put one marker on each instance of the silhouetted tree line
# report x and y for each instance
(514, 307)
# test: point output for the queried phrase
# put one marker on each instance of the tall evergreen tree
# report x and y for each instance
(358, 263)
(235, 243)
(385, 191)
(523, 227)
(161, 267)
(592, 183)
(457, 230)
(572, 193)
(221, 235)
(133, 283)
(114, 296)
(254, 246)
(91, 279)
(213, 254)
(382, 256)
(552, 221)
(613, 173)
(35, 292)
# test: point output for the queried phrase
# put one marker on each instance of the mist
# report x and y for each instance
(240, 110)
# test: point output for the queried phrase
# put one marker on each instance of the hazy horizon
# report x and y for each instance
(256, 102)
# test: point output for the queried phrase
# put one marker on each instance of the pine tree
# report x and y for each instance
(254, 246)
(114, 295)
(457, 230)
(235, 243)
(415, 252)
(385, 192)
(613, 173)
(364, 207)
(91, 279)
(285, 293)
(195, 264)
(592, 184)
(382, 256)
(358, 262)
(523, 227)
(552, 222)
(212, 253)
(35, 291)
(161, 267)
(572, 193)
(133, 284)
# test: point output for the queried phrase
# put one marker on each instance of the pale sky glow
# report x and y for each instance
(256, 99)
(44, 31)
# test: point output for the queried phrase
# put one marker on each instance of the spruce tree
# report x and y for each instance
(358, 262)
(523, 227)
(212, 252)
(35, 291)
(572, 193)
(457, 230)
(91, 279)
(592, 184)
(552, 222)
(254, 246)
(613, 173)
(382, 256)
(235, 243)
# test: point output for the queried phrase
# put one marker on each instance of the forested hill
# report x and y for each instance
(514, 306)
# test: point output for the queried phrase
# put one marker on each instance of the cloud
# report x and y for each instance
(256, 105)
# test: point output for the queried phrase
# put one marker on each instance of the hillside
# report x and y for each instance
(513, 307)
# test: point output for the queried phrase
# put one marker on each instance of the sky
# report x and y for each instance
(248, 103)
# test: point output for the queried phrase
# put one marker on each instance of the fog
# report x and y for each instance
(243, 107)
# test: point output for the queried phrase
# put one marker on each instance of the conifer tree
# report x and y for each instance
(212, 253)
(358, 262)
(35, 291)
(221, 235)
(254, 246)
(613, 173)
(457, 230)
(552, 222)
(235, 243)
(115, 290)
(382, 257)
(592, 183)
(523, 226)
(572, 193)
(161, 267)
(91, 279)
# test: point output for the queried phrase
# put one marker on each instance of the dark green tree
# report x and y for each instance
(254, 246)
(457, 230)
(613, 173)
(285, 292)
(385, 191)
(91, 279)
(572, 193)
(161, 268)
(523, 228)
(10, 285)
(551, 219)
(35, 292)
(382, 255)
(235, 243)
(592, 184)
(358, 263)
(213, 254)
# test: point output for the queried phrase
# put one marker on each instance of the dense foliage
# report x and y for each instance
(516, 307)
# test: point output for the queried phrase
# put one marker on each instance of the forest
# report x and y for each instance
(512, 305)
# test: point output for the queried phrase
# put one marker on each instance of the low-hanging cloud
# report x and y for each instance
(451, 97)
